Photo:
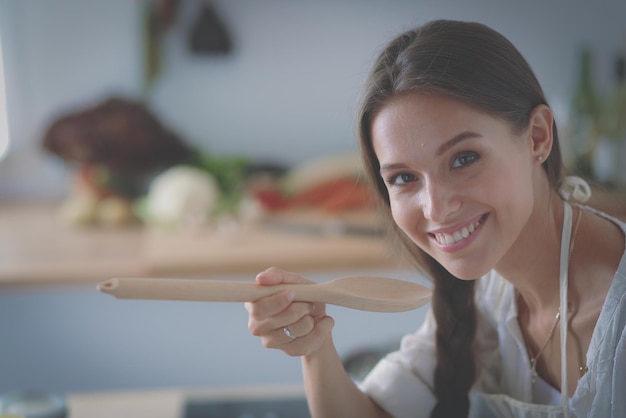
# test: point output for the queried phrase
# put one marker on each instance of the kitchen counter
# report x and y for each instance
(36, 248)
(167, 403)
(139, 404)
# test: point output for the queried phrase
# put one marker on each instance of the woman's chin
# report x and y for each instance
(466, 272)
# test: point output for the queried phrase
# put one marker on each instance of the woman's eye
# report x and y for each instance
(464, 159)
(401, 179)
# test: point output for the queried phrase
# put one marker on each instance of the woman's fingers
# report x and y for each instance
(263, 320)
(269, 306)
(272, 305)
(312, 341)
(297, 329)
(277, 319)
(304, 329)
(274, 275)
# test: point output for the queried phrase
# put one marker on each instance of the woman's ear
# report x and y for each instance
(540, 132)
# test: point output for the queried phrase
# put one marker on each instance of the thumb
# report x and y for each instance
(274, 276)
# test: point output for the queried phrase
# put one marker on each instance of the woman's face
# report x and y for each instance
(460, 182)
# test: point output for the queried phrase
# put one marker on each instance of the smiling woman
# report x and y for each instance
(462, 149)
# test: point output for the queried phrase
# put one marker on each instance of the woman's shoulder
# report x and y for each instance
(621, 224)
(610, 239)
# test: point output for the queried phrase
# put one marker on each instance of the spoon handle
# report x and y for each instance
(200, 290)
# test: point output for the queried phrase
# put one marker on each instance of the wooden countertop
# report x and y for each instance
(36, 248)
(136, 404)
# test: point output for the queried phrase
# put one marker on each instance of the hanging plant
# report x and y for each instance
(207, 35)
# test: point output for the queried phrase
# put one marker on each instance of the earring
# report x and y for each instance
(539, 158)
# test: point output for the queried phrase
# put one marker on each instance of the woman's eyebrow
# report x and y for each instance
(455, 140)
(441, 150)
(394, 166)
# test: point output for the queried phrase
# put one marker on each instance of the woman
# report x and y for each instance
(528, 308)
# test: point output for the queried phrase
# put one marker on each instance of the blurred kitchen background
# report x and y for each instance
(259, 97)
(286, 91)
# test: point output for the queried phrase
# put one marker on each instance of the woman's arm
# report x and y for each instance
(330, 391)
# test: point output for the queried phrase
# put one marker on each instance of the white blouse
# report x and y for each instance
(402, 383)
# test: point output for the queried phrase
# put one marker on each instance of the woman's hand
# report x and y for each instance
(274, 317)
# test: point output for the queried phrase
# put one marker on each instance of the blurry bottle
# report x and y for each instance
(608, 166)
(584, 126)
(620, 106)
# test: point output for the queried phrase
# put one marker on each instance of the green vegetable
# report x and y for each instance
(230, 174)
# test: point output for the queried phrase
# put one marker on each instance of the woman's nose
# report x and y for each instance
(439, 201)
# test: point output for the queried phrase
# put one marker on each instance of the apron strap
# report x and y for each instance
(564, 274)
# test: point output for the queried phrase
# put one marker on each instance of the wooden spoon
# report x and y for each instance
(376, 294)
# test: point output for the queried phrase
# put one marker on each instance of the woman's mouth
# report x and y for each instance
(450, 238)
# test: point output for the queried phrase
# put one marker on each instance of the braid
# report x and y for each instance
(455, 313)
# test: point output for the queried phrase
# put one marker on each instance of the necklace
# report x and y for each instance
(534, 359)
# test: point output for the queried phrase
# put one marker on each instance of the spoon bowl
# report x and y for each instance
(377, 294)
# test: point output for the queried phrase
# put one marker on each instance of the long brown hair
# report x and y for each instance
(478, 66)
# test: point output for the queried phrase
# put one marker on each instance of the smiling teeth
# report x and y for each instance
(456, 236)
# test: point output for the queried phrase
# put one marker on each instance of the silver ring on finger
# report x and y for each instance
(288, 333)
